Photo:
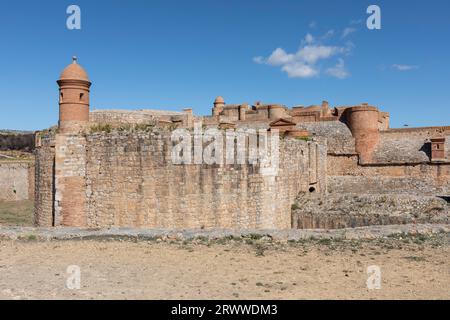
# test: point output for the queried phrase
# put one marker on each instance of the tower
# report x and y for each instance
(74, 87)
(363, 123)
(70, 148)
(219, 103)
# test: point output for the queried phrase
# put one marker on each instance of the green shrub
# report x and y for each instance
(101, 127)
(144, 127)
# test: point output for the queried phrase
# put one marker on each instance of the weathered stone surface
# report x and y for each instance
(45, 184)
(131, 181)
(372, 232)
(335, 211)
(16, 180)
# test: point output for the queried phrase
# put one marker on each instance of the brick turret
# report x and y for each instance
(74, 87)
(219, 103)
(363, 123)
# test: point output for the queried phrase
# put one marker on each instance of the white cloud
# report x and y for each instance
(339, 71)
(305, 62)
(311, 54)
(313, 24)
(357, 21)
(300, 70)
(280, 57)
(258, 60)
(404, 67)
(328, 34)
(347, 31)
(309, 38)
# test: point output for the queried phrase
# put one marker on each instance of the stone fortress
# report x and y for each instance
(338, 167)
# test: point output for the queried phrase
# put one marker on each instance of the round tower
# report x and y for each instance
(74, 87)
(276, 111)
(363, 123)
(219, 103)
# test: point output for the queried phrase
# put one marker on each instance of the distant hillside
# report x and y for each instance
(6, 131)
(16, 140)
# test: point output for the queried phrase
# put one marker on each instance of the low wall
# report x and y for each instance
(16, 180)
(345, 175)
(120, 117)
(351, 210)
(408, 146)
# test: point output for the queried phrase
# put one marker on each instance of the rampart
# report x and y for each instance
(127, 179)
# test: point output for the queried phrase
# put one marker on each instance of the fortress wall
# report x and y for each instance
(410, 147)
(346, 176)
(117, 117)
(423, 132)
(16, 180)
(339, 136)
(131, 182)
(44, 178)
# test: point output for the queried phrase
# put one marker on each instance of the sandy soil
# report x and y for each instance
(411, 269)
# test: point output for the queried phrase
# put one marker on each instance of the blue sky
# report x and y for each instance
(176, 54)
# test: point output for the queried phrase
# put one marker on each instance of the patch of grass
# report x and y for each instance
(31, 237)
(249, 241)
(227, 239)
(324, 241)
(259, 249)
(101, 127)
(295, 207)
(415, 258)
(125, 127)
(254, 236)
(303, 138)
(144, 127)
(202, 239)
(17, 213)
(28, 237)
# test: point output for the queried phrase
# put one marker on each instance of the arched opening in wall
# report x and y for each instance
(61, 97)
(81, 96)
(312, 189)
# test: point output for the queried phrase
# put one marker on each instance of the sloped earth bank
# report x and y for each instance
(335, 211)
(219, 265)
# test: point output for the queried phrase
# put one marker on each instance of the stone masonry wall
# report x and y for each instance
(16, 180)
(44, 193)
(346, 176)
(410, 147)
(116, 117)
(131, 182)
(339, 137)
(70, 180)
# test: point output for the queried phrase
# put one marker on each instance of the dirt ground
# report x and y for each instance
(411, 268)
